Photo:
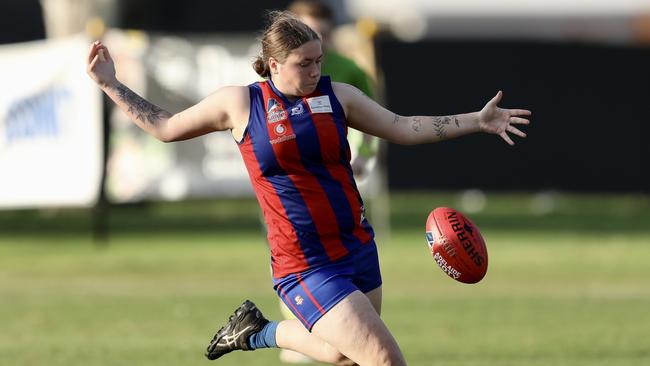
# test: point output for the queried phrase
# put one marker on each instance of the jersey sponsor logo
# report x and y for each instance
(276, 116)
(280, 139)
(280, 129)
(297, 110)
(280, 134)
(320, 104)
(274, 111)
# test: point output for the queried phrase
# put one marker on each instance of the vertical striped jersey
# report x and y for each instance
(298, 160)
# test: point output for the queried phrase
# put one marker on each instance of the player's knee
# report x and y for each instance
(339, 359)
(386, 357)
(344, 361)
(334, 357)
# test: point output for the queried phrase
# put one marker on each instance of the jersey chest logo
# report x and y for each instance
(297, 110)
(274, 111)
(320, 104)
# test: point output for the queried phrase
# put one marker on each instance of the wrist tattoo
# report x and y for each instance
(456, 121)
(139, 107)
(396, 120)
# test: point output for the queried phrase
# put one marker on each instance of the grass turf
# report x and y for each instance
(570, 287)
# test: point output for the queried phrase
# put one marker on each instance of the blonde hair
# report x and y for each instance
(284, 33)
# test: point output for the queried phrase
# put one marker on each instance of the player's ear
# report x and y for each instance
(273, 65)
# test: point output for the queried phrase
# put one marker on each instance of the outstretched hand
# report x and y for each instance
(499, 121)
(100, 66)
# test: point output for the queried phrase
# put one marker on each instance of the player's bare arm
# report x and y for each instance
(366, 115)
(226, 109)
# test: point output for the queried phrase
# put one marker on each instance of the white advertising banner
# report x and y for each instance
(50, 126)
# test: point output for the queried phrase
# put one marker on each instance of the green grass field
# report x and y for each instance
(568, 287)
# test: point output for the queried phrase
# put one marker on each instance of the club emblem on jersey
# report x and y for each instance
(297, 110)
(272, 105)
(274, 111)
(298, 299)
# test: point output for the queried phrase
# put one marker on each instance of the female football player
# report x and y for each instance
(291, 131)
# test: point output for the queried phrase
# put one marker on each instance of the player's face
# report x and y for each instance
(300, 72)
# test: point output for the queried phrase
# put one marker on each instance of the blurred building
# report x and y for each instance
(580, 66)
(595, 20)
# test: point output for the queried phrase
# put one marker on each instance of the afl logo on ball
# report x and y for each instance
(280, 129)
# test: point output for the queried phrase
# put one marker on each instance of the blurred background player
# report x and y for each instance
(320, 17)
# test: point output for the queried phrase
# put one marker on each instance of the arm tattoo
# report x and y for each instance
(141, 108)
(396, 120)
(440, 126)
(456, 121)
(416, 125)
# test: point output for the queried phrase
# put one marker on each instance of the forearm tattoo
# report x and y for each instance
(396, 120)
(141, 108)
(440, 125)
(416, 125)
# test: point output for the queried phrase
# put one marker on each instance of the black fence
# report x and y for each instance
(21, 21)
(204, 16)
(590, 124)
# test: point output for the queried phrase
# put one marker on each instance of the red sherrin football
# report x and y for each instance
(456, 245)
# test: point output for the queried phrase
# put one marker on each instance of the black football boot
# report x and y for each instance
(246, 320)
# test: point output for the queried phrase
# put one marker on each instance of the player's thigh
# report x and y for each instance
(367, 275)
(375, 298)
(354, 328)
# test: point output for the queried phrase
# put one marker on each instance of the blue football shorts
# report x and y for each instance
(312, 293)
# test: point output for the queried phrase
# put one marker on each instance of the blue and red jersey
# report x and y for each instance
(298, 160)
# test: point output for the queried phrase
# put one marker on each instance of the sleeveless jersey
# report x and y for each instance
(298, 161)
